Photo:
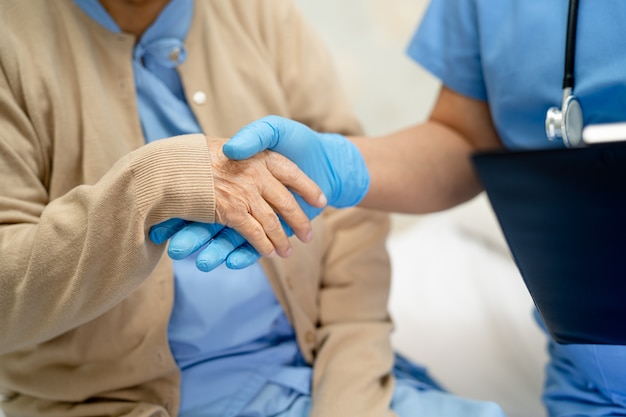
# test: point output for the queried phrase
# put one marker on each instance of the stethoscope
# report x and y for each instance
(567, 122)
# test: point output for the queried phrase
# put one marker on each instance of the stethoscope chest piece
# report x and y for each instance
(566, 123)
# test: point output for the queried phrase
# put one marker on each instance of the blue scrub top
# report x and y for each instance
(511, 53)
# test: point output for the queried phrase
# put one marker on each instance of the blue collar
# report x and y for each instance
(162, 43)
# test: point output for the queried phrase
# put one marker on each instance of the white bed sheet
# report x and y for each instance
(461, 308)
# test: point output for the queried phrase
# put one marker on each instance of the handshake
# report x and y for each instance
(330, 160)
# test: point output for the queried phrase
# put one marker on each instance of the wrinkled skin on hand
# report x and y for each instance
(250, 192)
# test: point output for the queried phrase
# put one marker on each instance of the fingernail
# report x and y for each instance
(308, 237)
(322, 200)
(272, 254)
(203, 266)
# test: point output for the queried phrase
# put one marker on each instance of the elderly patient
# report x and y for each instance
(104, 108)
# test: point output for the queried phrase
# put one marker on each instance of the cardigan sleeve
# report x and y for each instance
(65, 260)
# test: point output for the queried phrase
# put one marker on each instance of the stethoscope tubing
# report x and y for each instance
(570, 45)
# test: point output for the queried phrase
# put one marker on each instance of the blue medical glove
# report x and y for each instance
(329, 159)
(160, 233)
(187, 237)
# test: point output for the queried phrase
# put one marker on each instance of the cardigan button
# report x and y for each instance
(309, 337)
(199, 97)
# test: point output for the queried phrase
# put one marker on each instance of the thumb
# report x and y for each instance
(255, 137)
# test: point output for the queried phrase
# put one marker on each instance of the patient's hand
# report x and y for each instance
(250, 195)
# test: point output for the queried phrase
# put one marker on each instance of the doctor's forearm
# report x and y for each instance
(421, 169)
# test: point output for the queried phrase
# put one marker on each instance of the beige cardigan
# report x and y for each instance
(85, 297)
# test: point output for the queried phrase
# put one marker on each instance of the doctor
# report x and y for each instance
(504, 78)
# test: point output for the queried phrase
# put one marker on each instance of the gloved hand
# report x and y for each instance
(329, 159)
(188, 237)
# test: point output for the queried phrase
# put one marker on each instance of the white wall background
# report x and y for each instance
(458, 302)
(368, 39)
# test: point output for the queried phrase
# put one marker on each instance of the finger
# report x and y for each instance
(252, 231)
(161, 232)
(191, 238)
(289, 174)
(252, 139)
(242, 257)
(216, 252)
(291, 214)
(268, 220)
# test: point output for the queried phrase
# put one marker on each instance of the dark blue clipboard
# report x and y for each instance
(563, 214)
